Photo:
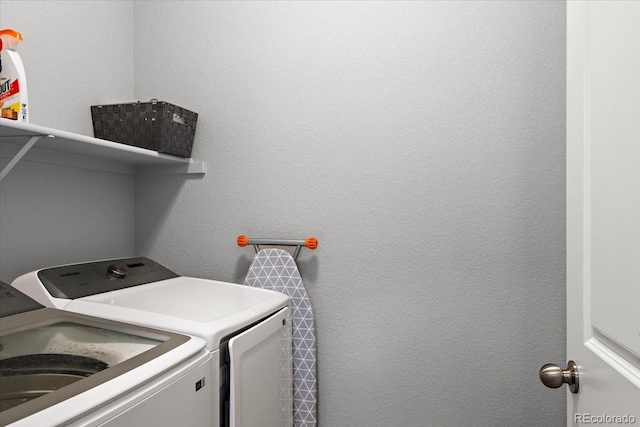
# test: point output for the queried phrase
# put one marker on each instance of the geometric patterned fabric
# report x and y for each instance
(276, 270)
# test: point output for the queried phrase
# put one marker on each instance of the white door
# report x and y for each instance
(603, 210)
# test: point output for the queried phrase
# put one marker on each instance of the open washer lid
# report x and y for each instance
(49, 356)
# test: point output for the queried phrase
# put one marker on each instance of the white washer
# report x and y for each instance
(65, 369)
(247, 330)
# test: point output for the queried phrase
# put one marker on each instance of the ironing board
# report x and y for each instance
(275, 269)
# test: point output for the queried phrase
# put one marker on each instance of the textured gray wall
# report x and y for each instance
(76, 53)
(423, 144)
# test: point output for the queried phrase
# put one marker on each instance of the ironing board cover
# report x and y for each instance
(275, 269)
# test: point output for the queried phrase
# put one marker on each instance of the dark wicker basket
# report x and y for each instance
(154, 125)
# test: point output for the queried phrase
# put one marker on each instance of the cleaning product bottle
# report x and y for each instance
(13, 81)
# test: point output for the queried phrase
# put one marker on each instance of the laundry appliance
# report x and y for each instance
(59, 368)
(247, 330)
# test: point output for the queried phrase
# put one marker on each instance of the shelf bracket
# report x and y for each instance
(21, 154)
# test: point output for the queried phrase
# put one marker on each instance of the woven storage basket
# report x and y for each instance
(154, 125)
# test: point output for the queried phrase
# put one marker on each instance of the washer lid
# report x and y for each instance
(129, 354)
(206, 308)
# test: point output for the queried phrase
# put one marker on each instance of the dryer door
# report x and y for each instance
(261, 374)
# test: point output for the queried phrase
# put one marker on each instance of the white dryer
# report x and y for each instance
(65, 369)
(247, 330)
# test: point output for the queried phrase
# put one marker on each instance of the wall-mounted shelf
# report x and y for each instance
(84, 151)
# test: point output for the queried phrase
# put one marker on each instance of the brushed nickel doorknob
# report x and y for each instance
(554, 376)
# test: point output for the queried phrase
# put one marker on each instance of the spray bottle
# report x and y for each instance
(13, 81)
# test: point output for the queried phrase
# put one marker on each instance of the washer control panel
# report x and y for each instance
(12, 301)
(82, 280)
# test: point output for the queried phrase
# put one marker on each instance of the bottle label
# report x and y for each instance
(13, 102)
